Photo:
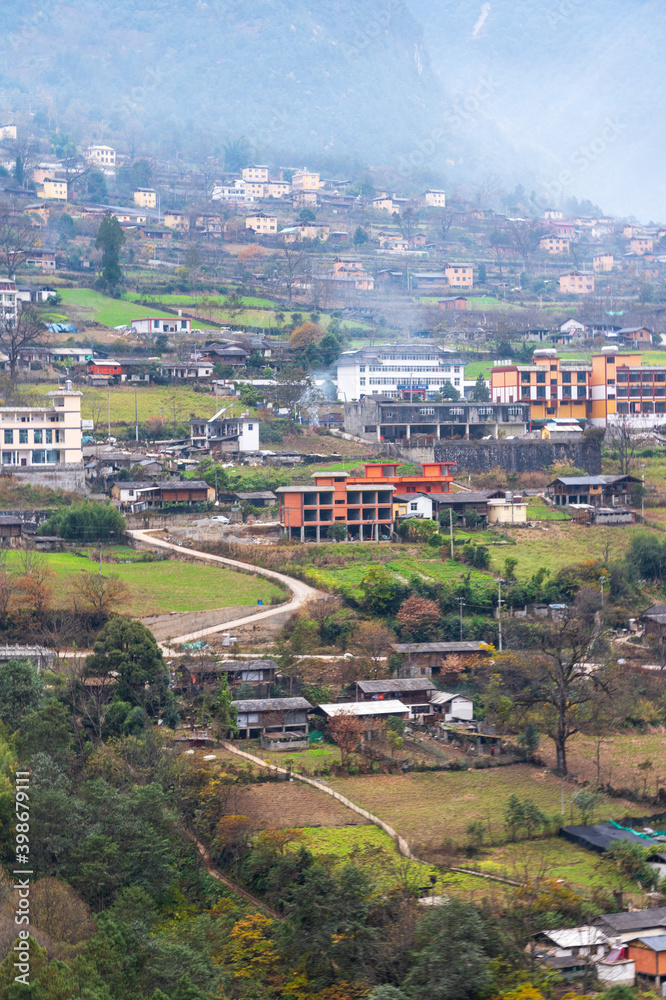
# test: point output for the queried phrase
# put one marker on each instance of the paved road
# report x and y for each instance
(300, 592)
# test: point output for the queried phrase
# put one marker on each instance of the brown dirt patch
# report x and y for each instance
(294, 804)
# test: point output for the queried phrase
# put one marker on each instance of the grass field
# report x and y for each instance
(562, 544)
(86, 305)
(156, 587)
(200, 301)
(427, 808)
(618, 758)
(153, 402)
(557, 857)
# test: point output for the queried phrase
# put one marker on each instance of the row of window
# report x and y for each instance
(645, 406)
(412, 368)
(431, 382)
(637, 390)
(641, 376)
(39, 436)
(39, 457)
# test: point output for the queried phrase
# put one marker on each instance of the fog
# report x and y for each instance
(562, 97)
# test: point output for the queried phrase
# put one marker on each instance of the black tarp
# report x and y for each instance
(600, 836)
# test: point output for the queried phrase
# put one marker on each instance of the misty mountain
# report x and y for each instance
(560, 97)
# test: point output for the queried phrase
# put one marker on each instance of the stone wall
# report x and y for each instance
(55, 477)
(521, 455)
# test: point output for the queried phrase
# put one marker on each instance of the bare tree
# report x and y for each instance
(371, 645)
(15, 334)
(346, 729)
(292, 264)
(98, 594)
(524, 238)
(622, 442)
(17, 237)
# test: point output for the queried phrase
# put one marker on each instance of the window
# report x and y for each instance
(49, 437)
(361, 368)
(250, 427)
(9, 437)
(53, 457)
(541, 377)
(515, 411)
(361, 381)
(541, 392)
(427, 411)
(413, 506)
(23, 437)
(38, 457)
(524, 376)
(566, 376)
(38, 437)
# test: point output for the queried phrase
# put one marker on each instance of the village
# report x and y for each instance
(336, 509)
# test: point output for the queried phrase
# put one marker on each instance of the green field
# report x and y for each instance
(427, 808)
(562, 544)
(157, 587)
(153, 402)
(559, 858)
(87, 305)
(200, 301)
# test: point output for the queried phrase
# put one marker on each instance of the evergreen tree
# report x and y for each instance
(480, 393)
(19, 176)
(109, 239)
(225, 712)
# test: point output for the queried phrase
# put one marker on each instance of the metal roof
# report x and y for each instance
(396, 684)
(230, 665)
(638, 920)
(361, 708)
(656, 942)
(271, 704)
(437, 647)
(442, 697)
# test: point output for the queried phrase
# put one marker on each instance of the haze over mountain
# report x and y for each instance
(484, 96)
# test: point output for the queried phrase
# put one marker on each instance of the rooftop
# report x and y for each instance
(272, 705)
(361, 708)
(396, 684)
(438, 647)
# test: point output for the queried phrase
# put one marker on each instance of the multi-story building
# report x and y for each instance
(602, 262)
(261, 223)
(641, 245)
(225, 435)
(386, 204)
(363, 504)
(552, 213)
(102, 156)
(145, 197)
(254, 190)
(434, 198)
(377, 418)
(8, 132)
(255, 172)
(554, 244)
(403, 371)
(48, 435)
(53, 189)
(609, 387)
(305, 180)
(459, 275)
(8, 300)
(231, 192)
(577, 282)
(173, 219)
(277, 189)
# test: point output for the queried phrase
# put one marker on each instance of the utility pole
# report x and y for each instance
(499, 611)
(100, 559)
(461, 602)
(451, 528)
(136, 417)
(602, 580)
(108, 402)
(643, 492)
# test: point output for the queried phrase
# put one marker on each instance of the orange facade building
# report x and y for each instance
(363, 503)
(611, 384)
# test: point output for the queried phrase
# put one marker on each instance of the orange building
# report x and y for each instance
(649, 954)
(363, 503)
(612, 384)
(577, 282)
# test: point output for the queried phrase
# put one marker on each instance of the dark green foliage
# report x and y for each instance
(127, 648)
(87, 521)
(529, 740)
(97, 187)
(449, 391)
(647, 555)
(480, 392)
(522, 814)
(109, 240)
(360, 236)
(476, 555)
(66, 227)
(337, 532)
(20, 691)
(457, 944)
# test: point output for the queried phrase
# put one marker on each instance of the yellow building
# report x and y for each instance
(261, 223)
(145, 197)
(577, 282)
(256, 172)
(305, 199)
(176, 220)
(276, 189)
(595, 391)
(554, 244)
(40, 174)
(459, 275)
(8, 132)
(386, 204)
(506, 512)
(602, 262)
(305, 180)
(435, 198)
(553, 214)
(54, 190)
(254, 189)
(641, 245)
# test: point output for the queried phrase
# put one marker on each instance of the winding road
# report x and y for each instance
(300, 592)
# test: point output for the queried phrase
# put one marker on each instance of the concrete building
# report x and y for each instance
(42, 436)
(225, 435)
(161, 324)
(53, 189)
(602, 262)
(8, 302)
(379, 418)
(101, 156)
(435, 198)
(397, 370)
(459, 275)
(145, 197)
(577, 283)
(255, 172)
(261, 223)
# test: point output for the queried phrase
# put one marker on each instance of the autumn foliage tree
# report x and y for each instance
(307, 333)
(418, 619)
(371, 645)
(346, 730)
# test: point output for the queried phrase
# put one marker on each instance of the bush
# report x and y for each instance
(86, 522)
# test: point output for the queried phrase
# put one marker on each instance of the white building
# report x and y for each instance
(225, 434)
(8, 298)
(187, 369)
(435, 198)
(398, 370)
(232, 192)
(161, 324)
(101, 156)
(453, 706)
(48, 435)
